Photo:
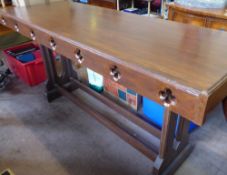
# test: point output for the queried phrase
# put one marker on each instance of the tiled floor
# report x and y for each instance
(59, 138)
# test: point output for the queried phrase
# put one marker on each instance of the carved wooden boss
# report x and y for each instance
(181, 67)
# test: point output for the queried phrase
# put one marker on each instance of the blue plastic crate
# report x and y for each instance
(155, 113)
(25, 58)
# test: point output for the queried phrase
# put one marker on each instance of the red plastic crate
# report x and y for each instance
(32, 73)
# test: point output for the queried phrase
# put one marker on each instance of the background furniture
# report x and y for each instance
(214, 18)
(104, 3)
(133, 5)
(151, 4)
(120, 4)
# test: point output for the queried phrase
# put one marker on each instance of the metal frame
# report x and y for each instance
(172, 147)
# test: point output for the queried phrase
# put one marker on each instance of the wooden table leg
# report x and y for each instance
(67, 71)
(224, 103)
(52, 78)
(168, 132)
(182, 131)
(48, 58)
(67, 74)
(174, 147)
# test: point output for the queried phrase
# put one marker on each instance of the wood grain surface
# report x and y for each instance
(151, 54)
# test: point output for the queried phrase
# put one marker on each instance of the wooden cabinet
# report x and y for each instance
(216, 19)
(104, 3)
(216, 24)
(188, 18)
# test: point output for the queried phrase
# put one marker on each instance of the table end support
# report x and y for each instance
(176, 163)
(174, 147)
(224, 104)
(53, 79)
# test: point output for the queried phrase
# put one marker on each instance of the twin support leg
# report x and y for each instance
(174, 147)
(52, 77)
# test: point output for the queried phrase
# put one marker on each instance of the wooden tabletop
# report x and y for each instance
(187, 55)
